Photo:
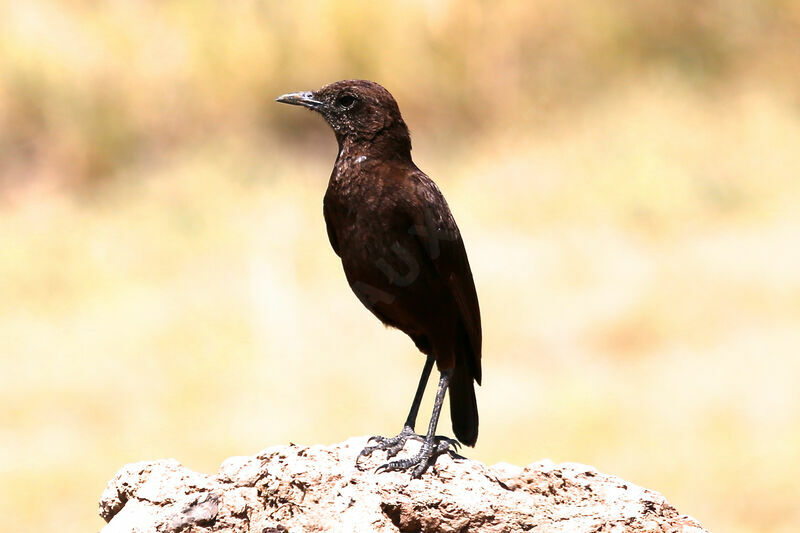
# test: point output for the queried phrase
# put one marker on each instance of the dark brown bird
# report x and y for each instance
(402, 255)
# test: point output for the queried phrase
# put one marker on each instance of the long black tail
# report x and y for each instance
(463, 406)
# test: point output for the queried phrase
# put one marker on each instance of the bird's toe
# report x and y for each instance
(391, 445)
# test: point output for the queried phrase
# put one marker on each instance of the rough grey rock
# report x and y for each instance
(293, 489)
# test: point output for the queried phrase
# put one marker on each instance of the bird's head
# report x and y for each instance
(358, 110)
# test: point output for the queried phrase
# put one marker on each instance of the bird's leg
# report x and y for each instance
(394, 445)
(432, 446)
(411, 420)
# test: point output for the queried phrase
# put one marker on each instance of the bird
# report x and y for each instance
(404, 258)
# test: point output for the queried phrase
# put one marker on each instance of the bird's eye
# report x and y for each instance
(346, 101)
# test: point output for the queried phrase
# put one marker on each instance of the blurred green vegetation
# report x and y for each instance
(624, 174)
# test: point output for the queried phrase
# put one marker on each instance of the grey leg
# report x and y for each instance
(411, 421)
(394, 445)
(432, 446)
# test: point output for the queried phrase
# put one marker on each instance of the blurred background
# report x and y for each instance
(625, 175)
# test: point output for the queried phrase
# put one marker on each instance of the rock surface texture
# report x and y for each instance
(295, 489)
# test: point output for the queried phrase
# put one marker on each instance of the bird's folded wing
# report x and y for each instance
(439, 235)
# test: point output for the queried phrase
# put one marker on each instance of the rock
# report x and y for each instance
(294, 489)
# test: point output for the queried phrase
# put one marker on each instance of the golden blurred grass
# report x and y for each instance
(630, 207)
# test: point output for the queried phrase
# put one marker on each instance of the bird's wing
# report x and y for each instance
(439, 235)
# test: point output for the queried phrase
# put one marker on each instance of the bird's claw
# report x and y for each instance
(451, 443)
(391, 445)
(425, 458)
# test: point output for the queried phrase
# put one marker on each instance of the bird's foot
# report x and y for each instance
(426, 457)
(391, 445)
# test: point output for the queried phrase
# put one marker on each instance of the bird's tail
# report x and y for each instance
(463, 406)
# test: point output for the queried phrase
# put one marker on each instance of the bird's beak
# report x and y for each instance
(305, 99)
